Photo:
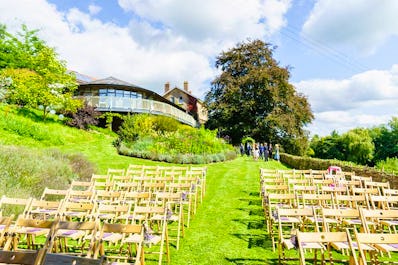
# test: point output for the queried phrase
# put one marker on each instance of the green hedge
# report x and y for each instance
(300, 162)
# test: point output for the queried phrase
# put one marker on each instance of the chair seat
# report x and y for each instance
(112, 237)
(345, 245)
(33, 231)
(74, 234)
(312, 245)
(133, 239)
(152, 239)
(389, 222)
(387, 247)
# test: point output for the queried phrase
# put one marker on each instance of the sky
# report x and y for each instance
(343, 54)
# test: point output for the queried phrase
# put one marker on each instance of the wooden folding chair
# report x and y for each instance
(324, 242)
(174, 207)
(379, 242)
(376, 220)
(27, 229)
(81, 185)
(107, 196)
(339, 219)
(272, 202)
(116, 240)
(115, 172)
(155, 230)
(79, 232)
(289, 220)
(40, 209)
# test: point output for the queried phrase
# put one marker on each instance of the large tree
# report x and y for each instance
(252, 96)
(32, 75)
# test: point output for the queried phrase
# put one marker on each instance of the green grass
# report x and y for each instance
(229, 227)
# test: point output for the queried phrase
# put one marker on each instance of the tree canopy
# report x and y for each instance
(252, 96)
(32, 75)
(359, 145)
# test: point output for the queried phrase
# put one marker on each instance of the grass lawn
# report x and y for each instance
(229, 226)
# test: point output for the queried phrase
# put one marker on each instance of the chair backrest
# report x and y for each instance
(318, 200)
(339, 215)
(53, 194)
(15, 206)
(351, 201)
(81, 185)
(18, 257)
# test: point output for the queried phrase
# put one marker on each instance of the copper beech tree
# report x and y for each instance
(252, 96)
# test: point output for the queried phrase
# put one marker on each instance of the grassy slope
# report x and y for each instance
(229, 225)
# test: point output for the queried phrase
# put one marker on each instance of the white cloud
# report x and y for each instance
(165, 40)
(364, 100)
(94, 9)
(223, 19)
(359, 24)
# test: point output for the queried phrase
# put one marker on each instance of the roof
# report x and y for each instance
(182, 90)
(111, 81)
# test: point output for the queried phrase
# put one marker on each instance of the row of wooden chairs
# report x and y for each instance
(336, 224)
(296, 216)
(161, 209)
(127, 236)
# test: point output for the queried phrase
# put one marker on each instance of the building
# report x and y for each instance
(114, 95)
(185, 99)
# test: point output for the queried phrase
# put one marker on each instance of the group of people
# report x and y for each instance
(260, 151)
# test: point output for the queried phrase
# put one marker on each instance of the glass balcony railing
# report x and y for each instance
(139, 105)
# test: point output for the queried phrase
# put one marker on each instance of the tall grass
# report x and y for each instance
(25, 172)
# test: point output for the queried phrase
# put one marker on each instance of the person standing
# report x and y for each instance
(266, 152)
(270, 150)
(277, 156)
(242, 149)
(256, 152)
(261, 149)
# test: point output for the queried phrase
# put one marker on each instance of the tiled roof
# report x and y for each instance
(111, 81)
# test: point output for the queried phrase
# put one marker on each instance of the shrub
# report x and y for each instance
(153, 137)
(84, 117)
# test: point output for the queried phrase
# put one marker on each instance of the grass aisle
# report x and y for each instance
(229, 225)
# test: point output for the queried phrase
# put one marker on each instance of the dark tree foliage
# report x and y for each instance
(328, 147)
(385, 139)
(84, 117)
(253, 97)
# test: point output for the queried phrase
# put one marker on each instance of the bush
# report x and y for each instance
(165, 139)
(26, 172)
(84, 117)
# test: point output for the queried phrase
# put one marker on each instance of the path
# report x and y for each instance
(229, 226)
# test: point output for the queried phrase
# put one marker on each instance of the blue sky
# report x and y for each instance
(343, 54)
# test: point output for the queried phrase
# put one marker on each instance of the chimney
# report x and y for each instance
(186, 86)
(166, 87)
